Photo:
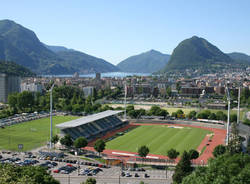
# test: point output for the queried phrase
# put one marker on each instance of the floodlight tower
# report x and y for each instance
(125, 100)
(238, 112)
(51, 127)
(228, 113)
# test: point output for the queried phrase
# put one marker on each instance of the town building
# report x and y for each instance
(32, 87)
(8, 84)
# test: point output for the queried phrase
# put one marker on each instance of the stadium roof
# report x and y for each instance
(87, 119)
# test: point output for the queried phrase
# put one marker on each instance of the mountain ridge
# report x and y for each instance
(146, 62)
(195, 53)
(22, 46)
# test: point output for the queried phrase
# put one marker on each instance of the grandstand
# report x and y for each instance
(92, 126)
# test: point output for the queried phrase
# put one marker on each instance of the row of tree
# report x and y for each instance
(154, 111)
(157, 111)
(207, 114)
(78, 143)
(65, 98)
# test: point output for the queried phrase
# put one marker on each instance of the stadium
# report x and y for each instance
(123, 138)
(92, 126)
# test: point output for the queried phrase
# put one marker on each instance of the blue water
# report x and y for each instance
(108, 74)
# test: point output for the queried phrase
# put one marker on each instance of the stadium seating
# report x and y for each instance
(94, 129)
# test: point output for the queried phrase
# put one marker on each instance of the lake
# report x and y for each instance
(108, 74)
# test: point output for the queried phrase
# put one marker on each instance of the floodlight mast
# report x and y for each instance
(125, 100)
(51, 127)
(228, 113)
(238, 112)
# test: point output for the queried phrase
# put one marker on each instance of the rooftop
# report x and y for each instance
(87, 119)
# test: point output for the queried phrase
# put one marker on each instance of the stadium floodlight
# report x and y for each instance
(228, 113)
(51, 127)
(125, 100)
(238, 112)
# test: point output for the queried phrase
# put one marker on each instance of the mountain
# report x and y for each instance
(241, 57)
(56, 48)
(147, 62)
(196, 53)
(12, 68)
(21, 45)
(84, 63)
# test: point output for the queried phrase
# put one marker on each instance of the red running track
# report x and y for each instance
(218, 138)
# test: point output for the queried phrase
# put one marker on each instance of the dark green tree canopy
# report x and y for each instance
(90, 181)
(55, 139)
(66, 140)
(172, 153)
(193, 154)
(99, 145)
(226, 169)
(143, 151)
(26, 174)
(80, 142)
(219, 150)
(183, 168)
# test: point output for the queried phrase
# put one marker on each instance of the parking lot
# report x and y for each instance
(68, 170)
(19, 118)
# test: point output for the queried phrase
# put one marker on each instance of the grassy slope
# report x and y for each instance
(159, 139)
(31, 134)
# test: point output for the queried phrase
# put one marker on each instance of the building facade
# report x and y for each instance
(8, 84)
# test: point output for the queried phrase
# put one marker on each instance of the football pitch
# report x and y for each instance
(159, 139)
(31, 134)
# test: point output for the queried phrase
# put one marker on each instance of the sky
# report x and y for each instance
(116, 29)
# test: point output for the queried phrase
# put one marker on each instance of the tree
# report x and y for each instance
(99, 146)
(193, 154)
(183, 168)
(169, 91)
(143, 151)
(221, 116)
(26, 174)
(67, 140)
(192, 114)
(12, 100)
(25, 101)
(129, 108)
(223, 169)
(80, 142)
(219, 150)
(55, 139)
(179, 113)
(172, 153)
(233, 118)
(234, 144)
(212, 116)
(90, 181)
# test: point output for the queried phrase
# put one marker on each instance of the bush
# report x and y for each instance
(247, 122)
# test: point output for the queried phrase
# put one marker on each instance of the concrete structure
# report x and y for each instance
(8, 84)
(88, 90)
(32, 87)
(92, 126)
(98, 76)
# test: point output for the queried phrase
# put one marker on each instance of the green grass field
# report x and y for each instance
(159, 139)
(31, 134)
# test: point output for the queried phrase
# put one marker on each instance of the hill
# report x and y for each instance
(22, 46)
(197, 53)
(241, 57)
(12, 68)
(81, 62)
(147, 62)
